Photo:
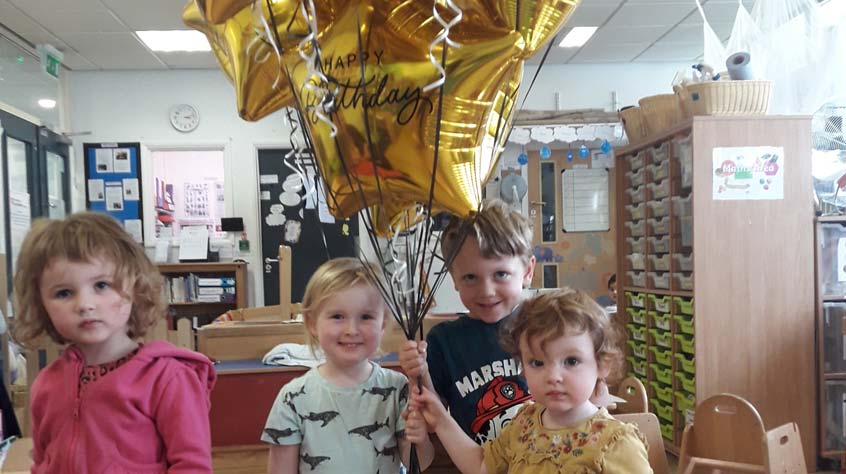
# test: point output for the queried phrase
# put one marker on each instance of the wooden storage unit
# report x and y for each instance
(743, 269)
(207, 311)
(831, 331)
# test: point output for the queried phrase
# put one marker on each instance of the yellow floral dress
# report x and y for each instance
(600, 444)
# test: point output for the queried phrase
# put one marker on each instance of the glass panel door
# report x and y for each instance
(19, 193)
(56, 185)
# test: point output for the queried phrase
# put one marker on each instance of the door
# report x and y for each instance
(288, 219)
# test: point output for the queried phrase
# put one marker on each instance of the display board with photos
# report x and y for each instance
(113, 183)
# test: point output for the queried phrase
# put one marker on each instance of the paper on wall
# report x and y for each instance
(114, 197)
(103, 160)
(96, 191)
(121, 161)
(130, 189)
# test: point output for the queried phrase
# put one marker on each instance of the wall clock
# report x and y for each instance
(184, 117)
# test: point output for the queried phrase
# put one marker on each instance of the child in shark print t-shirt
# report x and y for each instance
(343, 416)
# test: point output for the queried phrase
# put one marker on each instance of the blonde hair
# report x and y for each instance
(499, 230)
(330, 278)
(563, 312)
(83, 237)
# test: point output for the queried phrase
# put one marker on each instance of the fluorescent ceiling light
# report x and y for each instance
(577, 36)
(175, 40)
(47, 103)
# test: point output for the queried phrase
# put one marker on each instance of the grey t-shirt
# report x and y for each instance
(341, 430)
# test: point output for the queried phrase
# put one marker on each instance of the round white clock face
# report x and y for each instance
(184, 117)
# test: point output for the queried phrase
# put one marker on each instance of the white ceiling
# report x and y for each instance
(98, 34)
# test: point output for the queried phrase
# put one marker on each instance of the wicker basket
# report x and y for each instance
(633, 123)
(660, 112)
(726, 98)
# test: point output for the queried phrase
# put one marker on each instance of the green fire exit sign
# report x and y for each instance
(51, 60)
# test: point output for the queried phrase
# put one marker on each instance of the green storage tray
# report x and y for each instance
(663, 410)
(667, 431)
(662, 304)
(662, 356)
(637, 300)
(685, 401)
(638, 348)
(686, 343)
(662, 374)
(638, 332)
(684, 323)
(662, 338)
(637, 316)
(637, 365)
(687, 381)
(663, 392)
(688, 364)
(660, 320)
(684, 305)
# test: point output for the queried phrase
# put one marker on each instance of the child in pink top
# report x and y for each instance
(108, 404)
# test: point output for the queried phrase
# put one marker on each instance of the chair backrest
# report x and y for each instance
(649, 426)
(634, 393)
(725, 428)
(783, 446)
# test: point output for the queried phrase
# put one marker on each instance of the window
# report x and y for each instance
(188, 190)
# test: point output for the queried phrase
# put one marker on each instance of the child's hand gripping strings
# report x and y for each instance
(464, 452)
(412, 359)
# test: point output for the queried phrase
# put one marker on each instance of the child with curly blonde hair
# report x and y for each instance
(566, 343)
(108, 403)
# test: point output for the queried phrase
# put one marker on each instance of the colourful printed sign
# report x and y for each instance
(748, 173)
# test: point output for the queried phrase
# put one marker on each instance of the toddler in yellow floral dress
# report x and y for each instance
(565, 343)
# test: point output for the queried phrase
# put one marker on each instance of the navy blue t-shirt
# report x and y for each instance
(479, 381)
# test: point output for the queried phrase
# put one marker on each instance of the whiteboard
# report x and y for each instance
(584, 194)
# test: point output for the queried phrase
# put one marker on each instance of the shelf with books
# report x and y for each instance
(204, 290)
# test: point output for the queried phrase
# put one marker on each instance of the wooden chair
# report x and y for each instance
(726, 434)
(783, 446)
(649, 426)
(634, 393)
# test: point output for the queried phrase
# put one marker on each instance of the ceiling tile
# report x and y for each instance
(556, 55)
(608, 52)
(182, 60)
(70, 16)
(77, 62)
(684, 34)
(114, 50)
(592, 15)
(673, 52)
(149, 14)
(629, 34)
(19, 22)
(650, 14)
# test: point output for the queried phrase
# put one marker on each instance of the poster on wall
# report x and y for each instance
(748, 173)
(112, 182)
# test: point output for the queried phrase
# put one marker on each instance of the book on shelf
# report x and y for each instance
(217, 281)
(190, 289)
(215, 290)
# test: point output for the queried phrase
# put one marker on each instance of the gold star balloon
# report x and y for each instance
(387, 139)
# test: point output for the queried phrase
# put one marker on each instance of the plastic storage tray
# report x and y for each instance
(684, 323)
(637, 278)
(638, 332)
(638, 365)
(834, 438)
(684, 305)
(687, 364)
(658, 171)
(684, 154)
(659, 207)
(662, 374)
(832, 263)
(686, 343)
(637, 161)
(662, 409)
(660, 263)
(635, 194)
(660, 226)
(834, 352)
(661, 320)
(662, 338)
(637, 316)
(637, 244)
(662, 392)
(684, 262)
(636, 177)
(661, 152)
(684, 281)
(638, 300)
(638, 348)
(635, 228)
(659, 244)
(685, 401)
(636, 211)
(637, 261)
(662, 356)
(687, 381)
(682, 206)
(663, 304)
(659, 190)
(660, 280)
(686, 231)
(667, 432)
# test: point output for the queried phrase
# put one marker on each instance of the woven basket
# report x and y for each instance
(660, 112)
(633, 123)
(726, 98)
